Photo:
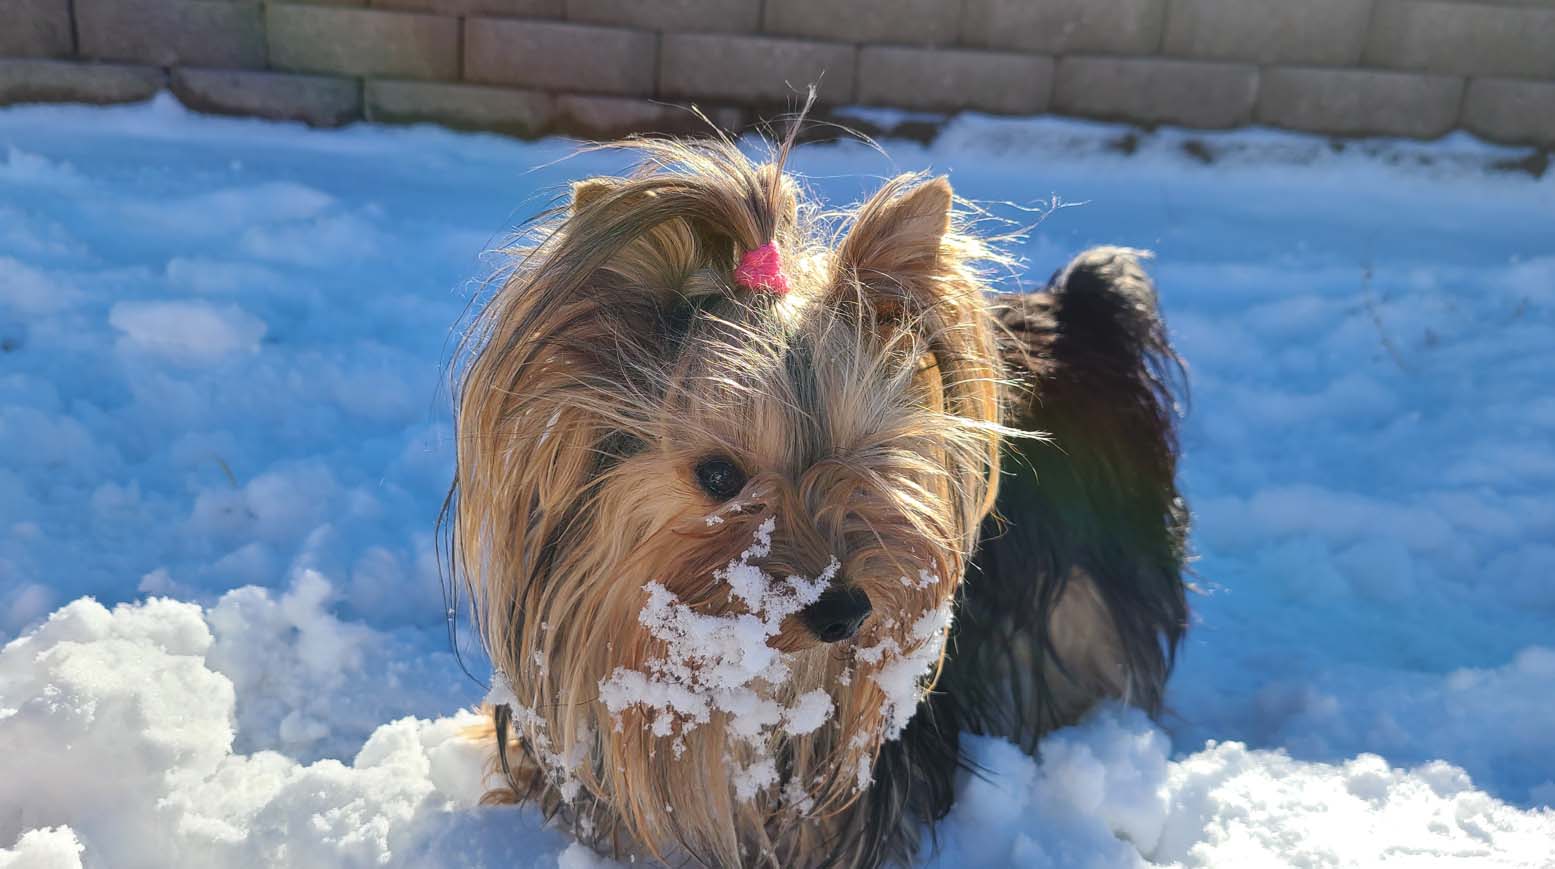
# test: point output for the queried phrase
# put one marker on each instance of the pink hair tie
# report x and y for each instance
(762, 269)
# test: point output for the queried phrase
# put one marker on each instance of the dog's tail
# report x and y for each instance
(1092, 508)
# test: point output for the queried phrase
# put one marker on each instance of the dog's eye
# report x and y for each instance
(720, 478)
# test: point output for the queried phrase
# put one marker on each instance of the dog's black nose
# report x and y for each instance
(837, 615)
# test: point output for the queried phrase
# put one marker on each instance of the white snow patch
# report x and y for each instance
(1106, 795)
(28, 235)
(229, 210)
(31, 292)
(220, 277)
(315, 242)
(724, 663)
(46, 848)
(128, 743)
(193, 333)
(809, 712)
(25, 169)
(901, 673)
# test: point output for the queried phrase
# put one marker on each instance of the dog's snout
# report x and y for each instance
(837, 615)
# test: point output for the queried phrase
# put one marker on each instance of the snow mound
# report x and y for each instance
(46, 848)
(120, 737)
(1105, 795)
(121, 747)
(308, 683)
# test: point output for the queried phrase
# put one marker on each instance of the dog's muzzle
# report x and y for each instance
(837, 615)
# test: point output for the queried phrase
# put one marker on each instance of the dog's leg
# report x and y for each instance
(1077, 593)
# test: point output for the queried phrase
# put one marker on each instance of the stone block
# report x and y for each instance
(1359, 102)
(898, 21)
(216, 33)
(559, 57)
(754, 69)
(1065, 26)
(1512, 111)
(465, 106)
(322, 101)
(603, 118)
(1310, 32)
(362, 42)
(35, 28)
(671, 16)
(948, 79)
(499, 8)
(1463, 38)
(600, 117)
(64, 81)
(1156, 91)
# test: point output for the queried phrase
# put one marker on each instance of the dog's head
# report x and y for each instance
(714, 523)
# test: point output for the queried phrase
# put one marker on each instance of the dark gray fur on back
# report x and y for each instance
(1094, 370)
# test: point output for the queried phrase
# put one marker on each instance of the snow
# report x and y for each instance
(1105, 794)
(47, 848)
(224, 438)
(191, 332)
(725, 663)
(128, 714)
(900, 672)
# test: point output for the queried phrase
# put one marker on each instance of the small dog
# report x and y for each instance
(738, 484)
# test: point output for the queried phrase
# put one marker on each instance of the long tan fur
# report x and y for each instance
(864, 405)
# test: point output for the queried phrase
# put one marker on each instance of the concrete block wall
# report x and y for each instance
(601, 68)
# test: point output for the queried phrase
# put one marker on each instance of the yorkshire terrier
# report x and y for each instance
(761, 508)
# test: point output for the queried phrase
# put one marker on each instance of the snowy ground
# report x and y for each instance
(223, 442)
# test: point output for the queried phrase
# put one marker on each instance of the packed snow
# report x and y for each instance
(224, 437)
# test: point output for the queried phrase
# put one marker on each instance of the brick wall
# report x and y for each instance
(604, 67)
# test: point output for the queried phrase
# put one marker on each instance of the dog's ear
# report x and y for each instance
(905, 264)
(897, 244)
